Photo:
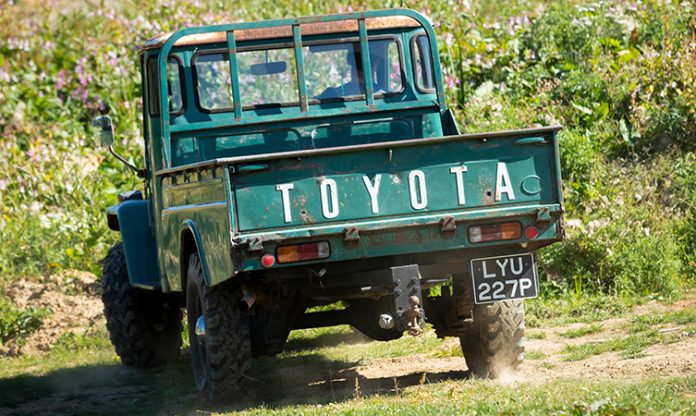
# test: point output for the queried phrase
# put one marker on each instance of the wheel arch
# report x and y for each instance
(190, 243)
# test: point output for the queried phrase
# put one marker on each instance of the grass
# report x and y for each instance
(321, 372)
(91, 377)
(16, 322)
(536, 335)
(482, 398)
(534, 355)
(629, 347)
(643, 332)
(683, 317)
(582, 331)
(567, 309)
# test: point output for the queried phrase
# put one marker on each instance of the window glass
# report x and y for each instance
(213, 82)
(331, 71)
(176, 102)
(386, 66)
(423, 64)
(334, 71)
(267, 77)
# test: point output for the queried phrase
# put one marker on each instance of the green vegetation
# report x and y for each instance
(317, 375)
(630, 347)
(582, 331)
(683, 317)
(617, 75)
(568, 309)
(71, 341)
(534, 355)
(643, 331)
(16, 322)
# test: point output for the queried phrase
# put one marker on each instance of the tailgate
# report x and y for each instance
(394, 180)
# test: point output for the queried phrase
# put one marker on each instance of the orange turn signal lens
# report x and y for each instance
(495, 232)
(303, 252)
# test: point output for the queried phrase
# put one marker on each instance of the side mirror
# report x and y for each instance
(106, 130)
(106, 139)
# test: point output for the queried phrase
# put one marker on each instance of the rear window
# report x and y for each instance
(334, 71)
(268, 77)
(174, 77)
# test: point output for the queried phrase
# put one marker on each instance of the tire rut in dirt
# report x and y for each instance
(221, 360)
(496, 340)
(144, 327)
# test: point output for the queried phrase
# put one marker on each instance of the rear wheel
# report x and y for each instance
(144, 326)
(495, 342)
(218, 335)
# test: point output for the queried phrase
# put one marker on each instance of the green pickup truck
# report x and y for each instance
(286, 190)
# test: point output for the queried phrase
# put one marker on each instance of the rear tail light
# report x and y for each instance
(303, 252)
(531, 232)
(495, 232)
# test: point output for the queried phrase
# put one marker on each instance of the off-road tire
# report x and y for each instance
(144, 326)
(222, 360)
(495, 342)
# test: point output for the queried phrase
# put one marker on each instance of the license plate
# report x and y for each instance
(504, 277)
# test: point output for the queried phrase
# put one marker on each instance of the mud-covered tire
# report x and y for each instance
(221, 359)
(144, 326)
(495, 342)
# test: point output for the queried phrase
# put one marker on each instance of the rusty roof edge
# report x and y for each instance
(369, 146)
(311, 27)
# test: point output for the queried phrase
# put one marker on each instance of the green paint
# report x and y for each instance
(392, 165)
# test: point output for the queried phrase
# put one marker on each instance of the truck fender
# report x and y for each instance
(131, 218)
(189, 227)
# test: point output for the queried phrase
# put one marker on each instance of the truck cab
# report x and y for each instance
(314, 162)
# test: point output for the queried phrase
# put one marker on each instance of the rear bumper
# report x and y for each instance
(403, 235)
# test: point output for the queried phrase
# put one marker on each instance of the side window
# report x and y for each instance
(174, 79)
(423, 64)
(213, 85)
(386, 66)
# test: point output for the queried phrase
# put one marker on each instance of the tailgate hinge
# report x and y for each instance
(351, 236)
(543, 216)
(255, 245)
(448, 226)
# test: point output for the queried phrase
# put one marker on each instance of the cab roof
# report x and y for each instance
(318, 28)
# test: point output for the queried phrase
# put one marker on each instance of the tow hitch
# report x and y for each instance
(408, 314)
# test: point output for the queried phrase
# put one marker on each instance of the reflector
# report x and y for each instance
(531, 232)
(267, 260)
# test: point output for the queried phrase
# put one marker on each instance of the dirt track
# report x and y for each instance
(313, 377)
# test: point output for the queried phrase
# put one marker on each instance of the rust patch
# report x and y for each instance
(306, 218)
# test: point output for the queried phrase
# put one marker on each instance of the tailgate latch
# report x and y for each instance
(448, 226)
